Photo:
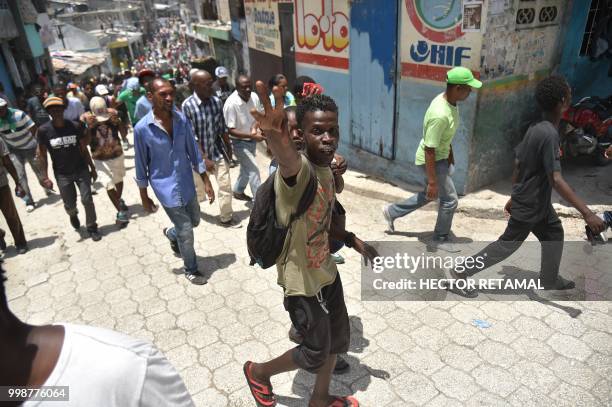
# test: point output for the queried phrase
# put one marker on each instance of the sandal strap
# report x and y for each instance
(262, 392)
(346, 401)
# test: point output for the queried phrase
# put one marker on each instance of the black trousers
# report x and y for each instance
(549, 232)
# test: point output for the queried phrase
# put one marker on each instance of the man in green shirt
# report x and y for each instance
(435, 156)
(130, 96)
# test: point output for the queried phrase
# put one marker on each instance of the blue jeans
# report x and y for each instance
(249, 172)
(184, 219)
(446, 193)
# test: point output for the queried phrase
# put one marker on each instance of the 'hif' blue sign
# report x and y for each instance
(439, 54)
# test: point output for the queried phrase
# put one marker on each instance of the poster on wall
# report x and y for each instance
(434, 39)
(472, 16)
(322, 33)
(262, 26)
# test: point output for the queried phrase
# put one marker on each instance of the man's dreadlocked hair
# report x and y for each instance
(551, 91)
(315, 103)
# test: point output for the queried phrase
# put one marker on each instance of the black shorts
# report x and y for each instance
(324, 333)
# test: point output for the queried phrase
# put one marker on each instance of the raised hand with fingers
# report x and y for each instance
(273, 122)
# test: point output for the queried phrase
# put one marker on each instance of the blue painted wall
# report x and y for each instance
(588, 78)
(413, 99)
(336, 84)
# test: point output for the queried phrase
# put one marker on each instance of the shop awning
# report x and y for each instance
(76, 62)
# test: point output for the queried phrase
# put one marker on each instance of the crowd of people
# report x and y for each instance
(180, 144)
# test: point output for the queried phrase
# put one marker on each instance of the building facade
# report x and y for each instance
(24, 38)
(384, 61)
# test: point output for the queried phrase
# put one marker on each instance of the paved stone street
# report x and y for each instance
(402, 353)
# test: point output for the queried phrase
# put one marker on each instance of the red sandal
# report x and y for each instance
(346, 401)
(262, 393)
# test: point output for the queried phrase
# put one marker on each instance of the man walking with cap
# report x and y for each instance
(221, 86)
(143, 104)
(66, 143)
(103, 130)
(435, 158)
(130, 96)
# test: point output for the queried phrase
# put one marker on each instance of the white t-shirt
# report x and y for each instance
(107, 369)
(237, 112)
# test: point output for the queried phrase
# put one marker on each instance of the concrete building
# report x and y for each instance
(384, 64)
(24, 54)
(220, 31)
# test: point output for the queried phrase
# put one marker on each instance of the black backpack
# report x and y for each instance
(265, 237)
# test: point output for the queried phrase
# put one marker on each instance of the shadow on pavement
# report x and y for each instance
(357, 379)
(239, 216)
(33, 244)
(49, 200)
(511, 272)
(209, 265)
(426, 237)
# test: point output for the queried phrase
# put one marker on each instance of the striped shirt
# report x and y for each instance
(15, 130)
(208, 123)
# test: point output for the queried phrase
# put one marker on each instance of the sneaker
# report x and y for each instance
(233, 163)
(122, 206)
(337, 258)
(242, 197)
(30, 207)
(2, 241)
(196, 278)
(173, 243)
(94, 234)
(388, 218)
(22, 249)
(126, 145)
(122, 218)
(75, 222)
(231, 224)
(49, 192)
(444, 244)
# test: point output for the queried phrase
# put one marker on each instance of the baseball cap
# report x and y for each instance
(145, 72)
(3, 102)
(133, 84)
(221, 72)
(53, 101)
(462, 76)
(101, 90)
(99, 109)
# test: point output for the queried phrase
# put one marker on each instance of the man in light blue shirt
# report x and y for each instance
(166, 152)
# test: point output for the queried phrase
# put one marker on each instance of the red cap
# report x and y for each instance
(145, 72)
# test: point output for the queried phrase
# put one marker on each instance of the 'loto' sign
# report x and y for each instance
(323, 24)
(438, 36)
